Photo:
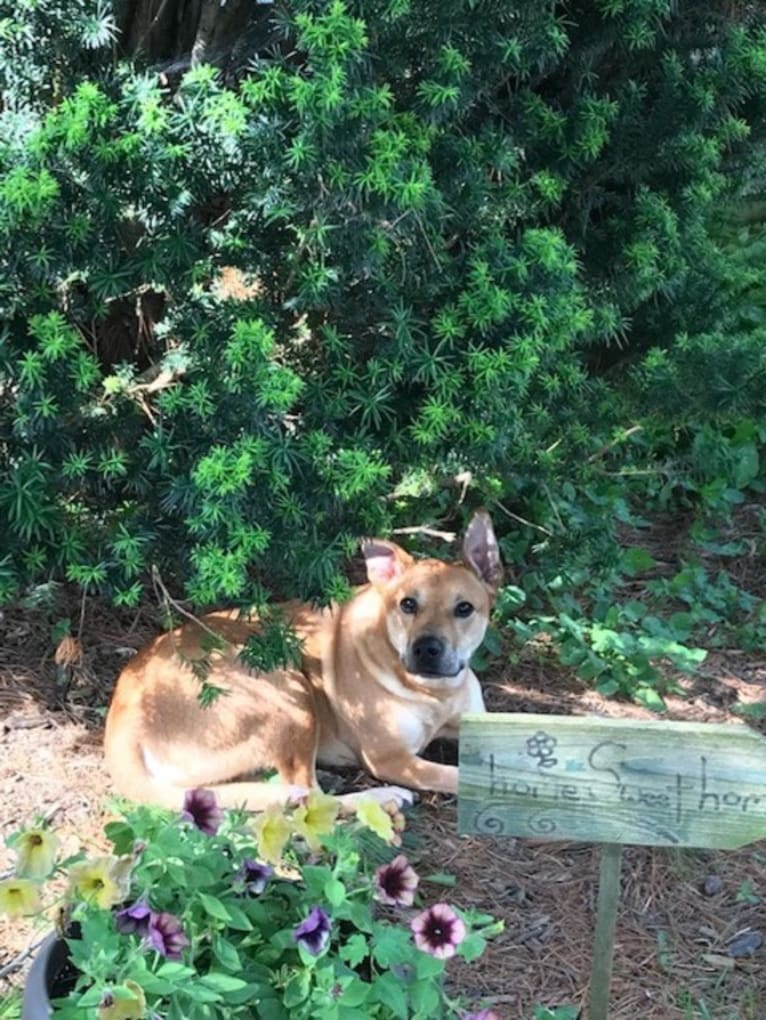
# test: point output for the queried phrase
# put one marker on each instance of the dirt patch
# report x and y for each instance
(672, 960)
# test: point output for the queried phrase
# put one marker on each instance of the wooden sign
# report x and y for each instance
(611, 780)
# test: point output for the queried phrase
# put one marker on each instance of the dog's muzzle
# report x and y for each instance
(429, 656)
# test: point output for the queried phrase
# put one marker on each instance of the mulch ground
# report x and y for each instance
(673, 937)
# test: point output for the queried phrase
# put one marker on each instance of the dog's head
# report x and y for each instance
(436, 612)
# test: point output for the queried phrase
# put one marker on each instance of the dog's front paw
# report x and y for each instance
(296, 794)
(399, 796)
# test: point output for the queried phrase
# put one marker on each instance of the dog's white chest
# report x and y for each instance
(334, 752)
(412, 732)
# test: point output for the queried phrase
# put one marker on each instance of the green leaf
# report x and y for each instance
(355, 993)
(354, 950)
(649, 698)
(440, 878)
(334, 892)
(388, 991)
(297, 989)
(237, 918)
(428, 966)
(472, 947)
(747, 466)
(425, 998)
(214, 907)
(391, 945)
(157, 985)
(171, 970)
(121, 835)
(227, 954)
(223, 983)
(636, 560)
(607, 687)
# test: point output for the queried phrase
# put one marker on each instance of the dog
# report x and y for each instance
(381, 676)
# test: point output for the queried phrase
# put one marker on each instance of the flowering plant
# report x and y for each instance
(287, 914)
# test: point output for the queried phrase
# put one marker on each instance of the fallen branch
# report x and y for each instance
(421, 529)
(18, 960)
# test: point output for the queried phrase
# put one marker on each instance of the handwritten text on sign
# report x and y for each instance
(612, 780)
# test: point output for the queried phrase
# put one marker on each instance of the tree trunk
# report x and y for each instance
(176, 34)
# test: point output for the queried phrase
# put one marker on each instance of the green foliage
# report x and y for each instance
(618, 617)
(10, 1005)
(556, 1013)
(448, 227)
(239, 938)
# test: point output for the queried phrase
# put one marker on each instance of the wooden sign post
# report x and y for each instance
(614, 782)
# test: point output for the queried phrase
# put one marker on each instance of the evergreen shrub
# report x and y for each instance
(395, 267)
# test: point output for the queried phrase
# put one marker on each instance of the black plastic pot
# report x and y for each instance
(50, 976)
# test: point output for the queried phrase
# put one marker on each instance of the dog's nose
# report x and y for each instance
(427, 652)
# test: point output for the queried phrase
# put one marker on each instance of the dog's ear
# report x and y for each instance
(385, 560)
(481, 551)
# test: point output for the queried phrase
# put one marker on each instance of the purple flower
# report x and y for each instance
(134, 920)
(166, 935)
(313, 933)
(483, 1014)
(201, 807)
(438, 931)
(253, 875)
(396, 882)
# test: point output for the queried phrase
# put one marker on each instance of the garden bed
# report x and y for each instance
(672, 959)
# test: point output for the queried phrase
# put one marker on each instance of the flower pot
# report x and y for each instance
(50, 976)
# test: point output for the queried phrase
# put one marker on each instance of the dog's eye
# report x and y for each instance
(463, 609)
(409, 606)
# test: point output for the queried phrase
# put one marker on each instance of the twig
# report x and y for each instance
(521, 520)
(164, 595)
(421, 529)
(81, 624)
(554, 508)
(428, 243)
(17, 961)
(605, 449)
(464, 479)
(152, 24)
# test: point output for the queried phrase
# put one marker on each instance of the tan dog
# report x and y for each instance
(381, 676)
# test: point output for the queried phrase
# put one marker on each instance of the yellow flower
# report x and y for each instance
(316, 818)
(99, 881)
(127, 1002)
(19, 896)
(272, 830)
(35, 853)
(371, 814)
